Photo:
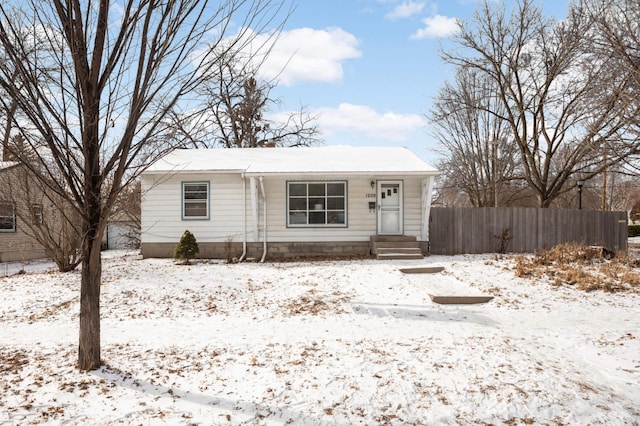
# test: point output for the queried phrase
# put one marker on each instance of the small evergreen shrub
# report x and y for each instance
(187, 248)
(634, 230)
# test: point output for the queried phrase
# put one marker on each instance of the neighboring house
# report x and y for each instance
(285, 202)
(15, 243)
(122, 233)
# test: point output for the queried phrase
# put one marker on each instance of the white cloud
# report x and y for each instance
(436, 26)
(366, 123)
(307, 54)
(405, 10)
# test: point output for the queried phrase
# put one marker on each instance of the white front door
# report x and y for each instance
(390, 208)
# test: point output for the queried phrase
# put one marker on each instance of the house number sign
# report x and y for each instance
(370, 195)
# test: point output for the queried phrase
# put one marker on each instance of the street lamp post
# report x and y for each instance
(580, 184)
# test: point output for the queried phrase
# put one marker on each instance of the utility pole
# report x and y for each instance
(604, 190)
(604, 183)
(495, 178)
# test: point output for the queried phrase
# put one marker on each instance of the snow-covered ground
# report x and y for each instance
(318, 343)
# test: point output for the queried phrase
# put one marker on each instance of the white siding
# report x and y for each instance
(162, 216)
(162, 209)
(361, 223)
(413, 207)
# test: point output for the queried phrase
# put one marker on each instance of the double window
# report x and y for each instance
(195, 200)
(317, 204)
(7, 217)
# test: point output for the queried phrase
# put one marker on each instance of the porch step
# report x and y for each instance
(387, 238)
(400, 254)
(396, 244)
(395, 247)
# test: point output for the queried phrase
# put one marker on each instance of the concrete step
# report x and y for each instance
(407, 250)
(387, 238)
(395, 247)
(397, 256)
(395, 244)
(399, 253)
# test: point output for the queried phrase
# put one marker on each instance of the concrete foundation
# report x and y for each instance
(275, 250)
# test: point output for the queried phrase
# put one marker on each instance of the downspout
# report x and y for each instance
(244, 218)
(264, 237)
(254, 208)
(427, 194)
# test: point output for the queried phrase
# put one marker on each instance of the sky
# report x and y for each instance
(369, 69)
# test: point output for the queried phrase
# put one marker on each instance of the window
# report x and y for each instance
(38, 217)
(7, 217)
(195, 200)
(317, 204)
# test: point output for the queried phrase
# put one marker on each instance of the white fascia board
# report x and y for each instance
(345, 173)
(193, 172)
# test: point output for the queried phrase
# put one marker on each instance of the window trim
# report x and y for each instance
(207, 201)
(13, 216)
(325, 225)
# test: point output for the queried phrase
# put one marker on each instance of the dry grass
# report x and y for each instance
(581, 267)
(313, 304)
(12, 361)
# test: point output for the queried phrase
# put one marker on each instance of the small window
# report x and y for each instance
(317, 204)
(195, 200)
(7, 217)
(38, 217)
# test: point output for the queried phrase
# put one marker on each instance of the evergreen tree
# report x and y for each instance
(187, 247)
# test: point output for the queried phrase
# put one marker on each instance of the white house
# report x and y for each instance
(285, 202)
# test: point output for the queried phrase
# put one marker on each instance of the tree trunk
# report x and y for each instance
(89, 347)
(544, 202)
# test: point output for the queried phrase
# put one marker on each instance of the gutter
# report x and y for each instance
(356, 173)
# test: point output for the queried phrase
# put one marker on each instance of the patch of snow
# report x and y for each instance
(316, 343)
(325, 159)
(38, 265)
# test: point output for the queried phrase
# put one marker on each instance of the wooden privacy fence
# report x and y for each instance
(459, 230)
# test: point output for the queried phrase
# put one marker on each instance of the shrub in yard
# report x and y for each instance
(634, 230)
(187, 248)
(580, 267)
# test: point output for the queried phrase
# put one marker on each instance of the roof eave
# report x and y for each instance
(367, 173)
(193, 172)
(348, 173)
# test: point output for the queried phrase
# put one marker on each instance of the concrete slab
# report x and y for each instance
(459, 300)
(423, 270)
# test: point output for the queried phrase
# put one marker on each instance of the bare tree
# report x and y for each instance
(634, 213)
(100, 97)
(564, 105)
(618, 34)
(44, 216)
(622, 191)
(33, 45)
(9, 111)
(618, 38)
(127, 211)
(238, 105)
(478, 153)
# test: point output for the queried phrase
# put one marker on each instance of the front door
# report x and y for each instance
(390, 208)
